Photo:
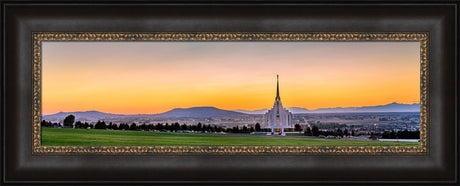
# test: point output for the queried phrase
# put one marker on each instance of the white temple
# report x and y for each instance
(278, 118)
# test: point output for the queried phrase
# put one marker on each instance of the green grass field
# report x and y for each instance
(94, 137)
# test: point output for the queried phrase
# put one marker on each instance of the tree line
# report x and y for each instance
(401, 135)
(69, 122)
(314, 131)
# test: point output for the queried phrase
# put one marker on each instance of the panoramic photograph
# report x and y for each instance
(158, 93)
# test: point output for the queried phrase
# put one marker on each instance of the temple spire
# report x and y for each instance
(277, 88)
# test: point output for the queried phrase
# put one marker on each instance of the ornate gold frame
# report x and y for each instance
(422, 37)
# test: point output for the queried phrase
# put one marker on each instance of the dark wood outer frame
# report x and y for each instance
(21, 19)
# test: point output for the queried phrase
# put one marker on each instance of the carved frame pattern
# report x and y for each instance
(422, 37)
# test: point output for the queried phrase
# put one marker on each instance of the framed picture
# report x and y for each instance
(196, 69)
(174, 93)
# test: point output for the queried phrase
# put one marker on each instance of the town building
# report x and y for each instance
(278, 119)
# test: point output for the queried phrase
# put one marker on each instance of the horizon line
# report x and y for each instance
(226, 109)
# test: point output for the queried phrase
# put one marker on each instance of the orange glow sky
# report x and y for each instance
(154, 77)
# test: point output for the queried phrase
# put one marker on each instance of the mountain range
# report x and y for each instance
(177, 112)
(199, 112)
(83, 115)
(392, 107)
(215, 112)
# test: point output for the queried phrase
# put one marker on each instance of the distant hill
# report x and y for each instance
(82, 116)
(199, 112)
(392, 107)
(261, 111)
(298, 110)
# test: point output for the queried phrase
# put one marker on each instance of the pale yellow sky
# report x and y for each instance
(154, 77)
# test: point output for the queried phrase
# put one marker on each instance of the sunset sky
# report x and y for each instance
(154, 77)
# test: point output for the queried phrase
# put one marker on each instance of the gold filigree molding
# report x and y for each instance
(422, 149)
